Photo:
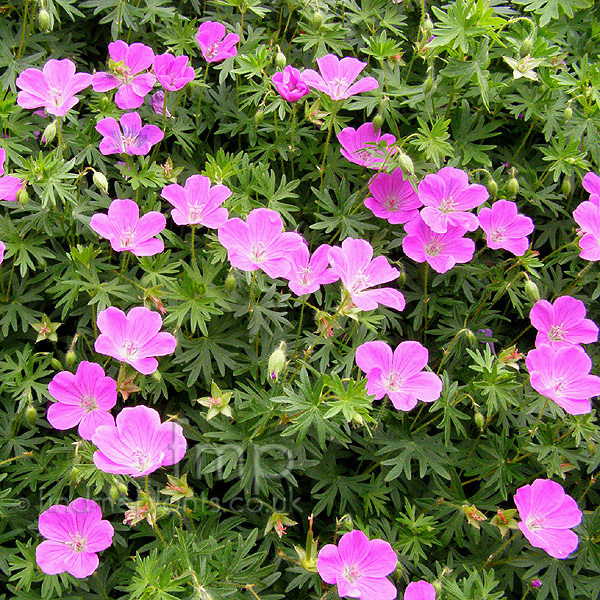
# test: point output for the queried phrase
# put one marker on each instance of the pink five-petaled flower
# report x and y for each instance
(547, 514)
(290, 84)
(359, 567)
(83, 399)
(399, 374)
(337, 77)
(563, 323)
(352, 262)
(587, 216)
(9, 185)
(366, 146)
(441, 250)
(505, 228)
(419, 590)
(259, 243)
(173, 72)
(53, 88)
(393, 197)
(591, 183)
(127, 63)
(139, 443)
(2, 249)
(197, 203)
(563, 375)
(447, 197)
(74, 534)
(308, 272)
(213, 42)
(129, 137)
(134, 338)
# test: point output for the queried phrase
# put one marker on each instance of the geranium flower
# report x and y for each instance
(125, 230)
(359, 567)
(157, 103)
(2, 249)
(83, 399)
(134, 338)
(53, 88)
(197, 203)
(399, 374)
(337, 77)
(139, 443)
(352, 262)
(419, 590)
(127, 63)
(173, 72)
(308, 273)
(290, 84)
(564, 376)
(213, 42)
(393, 197)
(587, 216)
(133, 139)
(591, 183)
(366, 146)
(547, 514)
(505, 228)
(9, 185)
(75, 533)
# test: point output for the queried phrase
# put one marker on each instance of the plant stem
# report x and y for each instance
(59, 134)
(292, 149)
(490, 559)
(193, 244)
(9, 460)
(299, 326)
(336, 106)
(24, 29)
(201, 94)
(425, 301)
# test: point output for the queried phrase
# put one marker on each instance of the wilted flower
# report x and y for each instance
(217, 402)
(308, 273)
(157, 102)
(505, 228)
(213, 42)
(9, 185)
(366, 146)
(290, 84)
(393, 197)
(279, 522)
(177, 488)
(173, 72)
(133, 139)
(419, 590)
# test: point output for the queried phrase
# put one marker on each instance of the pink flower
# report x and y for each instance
(399, 374)
(441, 250)
(366, 146)
(587, 216)
(290, 84)
(83, 399)
(359, 566)
(134, 139)
(419, 590)
(352, 262)
(9, 185)
(139, 443)
(259, 243)
(591, 183)
(53, 88)
(2, 249)
(563, 323)
(157, 102)
(309, 273)
(548, 514)
(394, 197)
(127, 63)
(213, 42)
(505, 228)
(447, 197)
(172, 72)
(197, 203)
(563, 376)
(134, 338)
(75, 533)
(337, 77)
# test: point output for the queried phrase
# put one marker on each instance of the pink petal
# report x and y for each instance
(91, 421)
(329, 564)
(64, 416)
(81, 564)
(374, 354)
(50, 557)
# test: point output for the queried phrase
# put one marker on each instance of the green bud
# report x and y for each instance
(437, 586)
(56, 364)
(568, 112)
(427, 25)
(230, 283)
(479, 420)
(317, 19)
(277, 362)
(591, 448)
(566, 186)
(428, 85)
(280, 60)
(30, 415)
(402, 277)
(70, 358)
(113, 493)
(377, 122)
(405, 162)
(470, 337)
(100, 181)
(526, 47)
(512, 187)
(492, 188)
(23, 196)
(122, 487)
(156, 375)
(105, 103)
(49, 133)
(44, 20)
(75, 475)
(259, 117)
(531, 290)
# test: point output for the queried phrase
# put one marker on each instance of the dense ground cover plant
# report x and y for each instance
(299, 299)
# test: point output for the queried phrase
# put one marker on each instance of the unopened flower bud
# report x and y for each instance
(156, 375)
(277, 362)
(70, 358)
(526, 47)
(492, 188)
(56, 364)
(31, 415)
(259, 116)
(377, 122)
(427, 25)
(566, 186)
(470, 336)
(512, 187)
(113, 493)
(100, 181)
(280, 60)
(402, 277)
(122, 487)
(44, 20)
(405, 162)
(479, 420)
(75, 475)
(230, 283)
(49, 133)
(532, 291)
(536, 583)
(437, 586)
(317, 19)
(105, 103)
(591, 448)
(23, 196)
(428, 85)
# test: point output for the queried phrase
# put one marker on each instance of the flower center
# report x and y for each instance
(559, 385)
(129, 140)
(392, 202)
(88, 403)
(130, 348)
(123, 73)
(56, 95)
(364, 155)
(305, 276)
(257, 254)
(447, 205)
(535, 522)
(338, 86)
(498, 235)
(394, 382)
(351, 573)
(212, 50)
(141, 459)
(557, 333)
(360, 283)
(194, 213)
(127, 236)
(77, 543)
(434, 248)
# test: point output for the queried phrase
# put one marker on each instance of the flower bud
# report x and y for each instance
(428, 85)
(122, 487)
(280, 60)
(531, 290)
(405, 162)
(70, 358)
(437, 586)
(259, 116)
(492, 188)
(156, 375)
(75, 475)
(568, 112)
(402, 277)
(317, 19)
(100, 181)
(536, 583)
(49, 133)
(566, 186)
(56, 364)
(470, 336)
(23, 196)
(44, 20)
(277, 362)
(30, 415)
(591, 448)
(230, 283)
(113, 493)
(427, 25)
(512, 187)
(479, 420)
(105, 103)
(526, 47)
(377, 122)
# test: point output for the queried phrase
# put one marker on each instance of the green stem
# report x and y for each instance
(201, 94)
(336, 106)
(24, 29)
(292, 149)
(60, 137)
(193, 244)
(9, 460)
(449, 349)
(10, 278)
(425, 301)
(299, 326)
(490, 559)
(251, 303)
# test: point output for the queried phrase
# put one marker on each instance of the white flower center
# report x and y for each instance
(392, 202)
(498, 235)
(305, 276)
(434, 248)
(56, 95)
(535, 522)
(127, 237)
(394, 382)
(361, 282)
(559, 385)
(557, 333)
(129, 349)
(351, 573)
(77, 543)
(212, 50)
(141, 459)
(447, 205)
(129, 140)
(338, 86)
(258, 251)
(194, 213)
(88, 403)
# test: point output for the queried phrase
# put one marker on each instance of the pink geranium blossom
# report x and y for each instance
(134, 338)
(308, 273)
(393, 197)
(419, 590)
(173, 72)
(290, 84)
(548, 514)
(563, 375)
(139, 443)
(337, 77)
(53, 88)
(587, 216)
(366, 146)
(352, 262)
(74, 534)
(359, 567)
(2, 249)
(83, 399)
(214, 44)
(399, 374)
(127, 231)
(562, 323)
(129, 137)
(505, 228)
(591, 183)
(197, 203)
(9, 185)
(127, 63)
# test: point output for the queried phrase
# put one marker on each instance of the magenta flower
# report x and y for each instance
(2, 249)
(213, 42)
(419, 590)
(547, 514)
(139, 443)
(563, 375)
(337, 77)
(366, 146)
(259, 243)
(563, 323)
(197, 203)
(173, 72)
(352, 262)
(308, 273)
(74, 534)
(83, 399)
(399, 374)
(359, 567)
(587, 216)
(393, 197)
(134, 338)
(53, 88)
(9, 185)
(505, 228)
(127, 63)
(447, 197)
(157, 103)
(290, 84)
(441, 250)
(591, 183)
(133, 139)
